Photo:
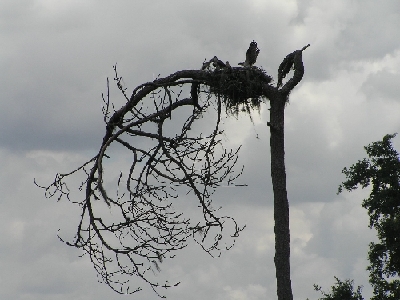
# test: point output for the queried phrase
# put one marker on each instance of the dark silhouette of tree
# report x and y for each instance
(131, 228)
(381, 171)
(342, 290)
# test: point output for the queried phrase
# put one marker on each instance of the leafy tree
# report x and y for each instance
(381, 171)
(129, 230)
(342, 290)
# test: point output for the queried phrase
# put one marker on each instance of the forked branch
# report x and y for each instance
(129, 222)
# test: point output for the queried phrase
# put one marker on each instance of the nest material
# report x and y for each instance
(240, 88)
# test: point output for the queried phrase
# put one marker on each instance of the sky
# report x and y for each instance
(54, 62)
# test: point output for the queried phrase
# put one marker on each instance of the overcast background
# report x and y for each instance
(55, 57)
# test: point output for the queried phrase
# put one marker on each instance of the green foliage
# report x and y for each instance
(342, 290)
(381, 171)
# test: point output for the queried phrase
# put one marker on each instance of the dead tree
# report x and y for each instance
(128, 229)
(278, 171)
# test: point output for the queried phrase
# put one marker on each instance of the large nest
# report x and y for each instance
(241, 88)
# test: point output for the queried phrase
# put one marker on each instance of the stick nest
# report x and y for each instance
(240, 88)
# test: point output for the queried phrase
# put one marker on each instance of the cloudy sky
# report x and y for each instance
(54, 61)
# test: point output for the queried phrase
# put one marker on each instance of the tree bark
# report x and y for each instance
(281, 203)
(278, 99)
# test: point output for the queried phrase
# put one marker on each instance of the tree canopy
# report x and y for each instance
(381, 172)
(341, 290)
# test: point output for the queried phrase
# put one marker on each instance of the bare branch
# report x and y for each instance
(128, 222)
(293, 60)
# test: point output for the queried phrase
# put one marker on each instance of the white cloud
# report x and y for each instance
(251, 292)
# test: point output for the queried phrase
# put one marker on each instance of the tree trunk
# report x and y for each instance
(281, 203)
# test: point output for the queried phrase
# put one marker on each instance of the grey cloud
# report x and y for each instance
(382, 86)
(54, 68)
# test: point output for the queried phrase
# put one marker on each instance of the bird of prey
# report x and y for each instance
(251, 55)
(218, 64)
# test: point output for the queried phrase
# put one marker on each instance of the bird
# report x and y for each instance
(206, 65)
(251, 55)
(218, 64)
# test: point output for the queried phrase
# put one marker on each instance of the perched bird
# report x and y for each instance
(206, 65)
(251, 55)
(218, 64)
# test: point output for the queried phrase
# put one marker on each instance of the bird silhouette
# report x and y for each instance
(251, 55)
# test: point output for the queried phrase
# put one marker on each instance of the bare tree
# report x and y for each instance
(130, 228)
(278, 101)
